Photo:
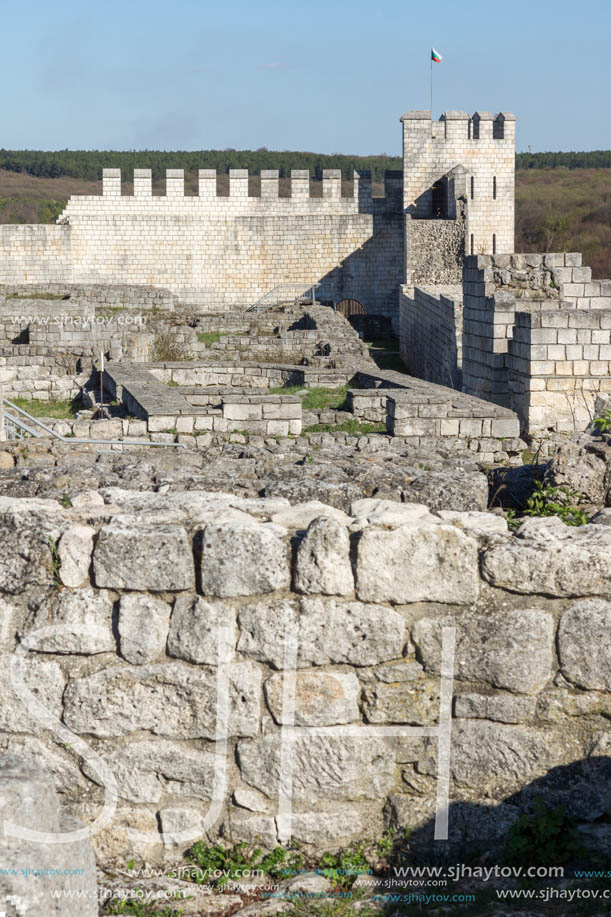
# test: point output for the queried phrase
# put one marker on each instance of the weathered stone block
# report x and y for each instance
(551, 559)
(143, 627)
(498, 759)
(322, 561)
(29, 529)
(326, 632)
(87, 610)
(505, 426)
(75, 549)
(336, 824)
(43, 679)
(417, 563)
(321, 698)
(501, 708)
(195, 627)
(507, 649)
(324, 767)
(144, 557)
(167, 700)
(583, 644)
(242, 559)
(146, 769)
(414, 701)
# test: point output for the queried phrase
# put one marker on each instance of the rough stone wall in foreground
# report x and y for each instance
(366, 595)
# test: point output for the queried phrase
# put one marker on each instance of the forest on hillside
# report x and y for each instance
(88, 164)
(566, 210)
(563, 200)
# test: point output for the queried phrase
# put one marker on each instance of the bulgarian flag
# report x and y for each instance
(436, 56)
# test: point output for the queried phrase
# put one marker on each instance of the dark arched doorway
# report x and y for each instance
(350, 307)
(354, 311)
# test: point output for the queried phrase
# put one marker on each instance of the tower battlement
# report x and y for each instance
(459, 125)
(479, 146)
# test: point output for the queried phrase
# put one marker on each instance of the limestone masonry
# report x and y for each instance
(252, 531)
(457, 181)
(367, 593)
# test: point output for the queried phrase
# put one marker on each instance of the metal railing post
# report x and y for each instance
(34, 425)
(2, 420)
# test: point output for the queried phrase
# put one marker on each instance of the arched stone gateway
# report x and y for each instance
(350, 307)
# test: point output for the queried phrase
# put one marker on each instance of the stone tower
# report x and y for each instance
(459, 168)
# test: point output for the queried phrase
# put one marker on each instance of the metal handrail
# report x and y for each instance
(20, 424)
(284, 292)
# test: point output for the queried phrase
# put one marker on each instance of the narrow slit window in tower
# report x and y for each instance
(472, 245)
(494, 243)
(439, 199)
(472, 187)
(494, 187)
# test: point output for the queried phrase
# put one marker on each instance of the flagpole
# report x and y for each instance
(431, 85)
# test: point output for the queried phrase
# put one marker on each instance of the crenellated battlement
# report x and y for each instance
(239, 186)
(459, 125)
(226, 243)
(479, 146)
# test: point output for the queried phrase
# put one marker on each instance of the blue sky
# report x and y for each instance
(323, 76)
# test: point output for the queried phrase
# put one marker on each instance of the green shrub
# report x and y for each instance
(603, 423)
(547, 500)
(543, 837)
(234, 861)
(140, 909)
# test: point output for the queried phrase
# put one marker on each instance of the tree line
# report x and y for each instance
(594, 159)
(88, 164)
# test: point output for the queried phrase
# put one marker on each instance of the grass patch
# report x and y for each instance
(321, 399)
(329, 908)
(140, 909)
(233, 861)
(318, 398)
(58, 410)
(285, 389)
(349, 426)
(209, 337)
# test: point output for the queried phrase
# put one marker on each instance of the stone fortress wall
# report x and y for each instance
(478, 326)
(367, 594)
(531, 332)
(221, 252)
(455, 195)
